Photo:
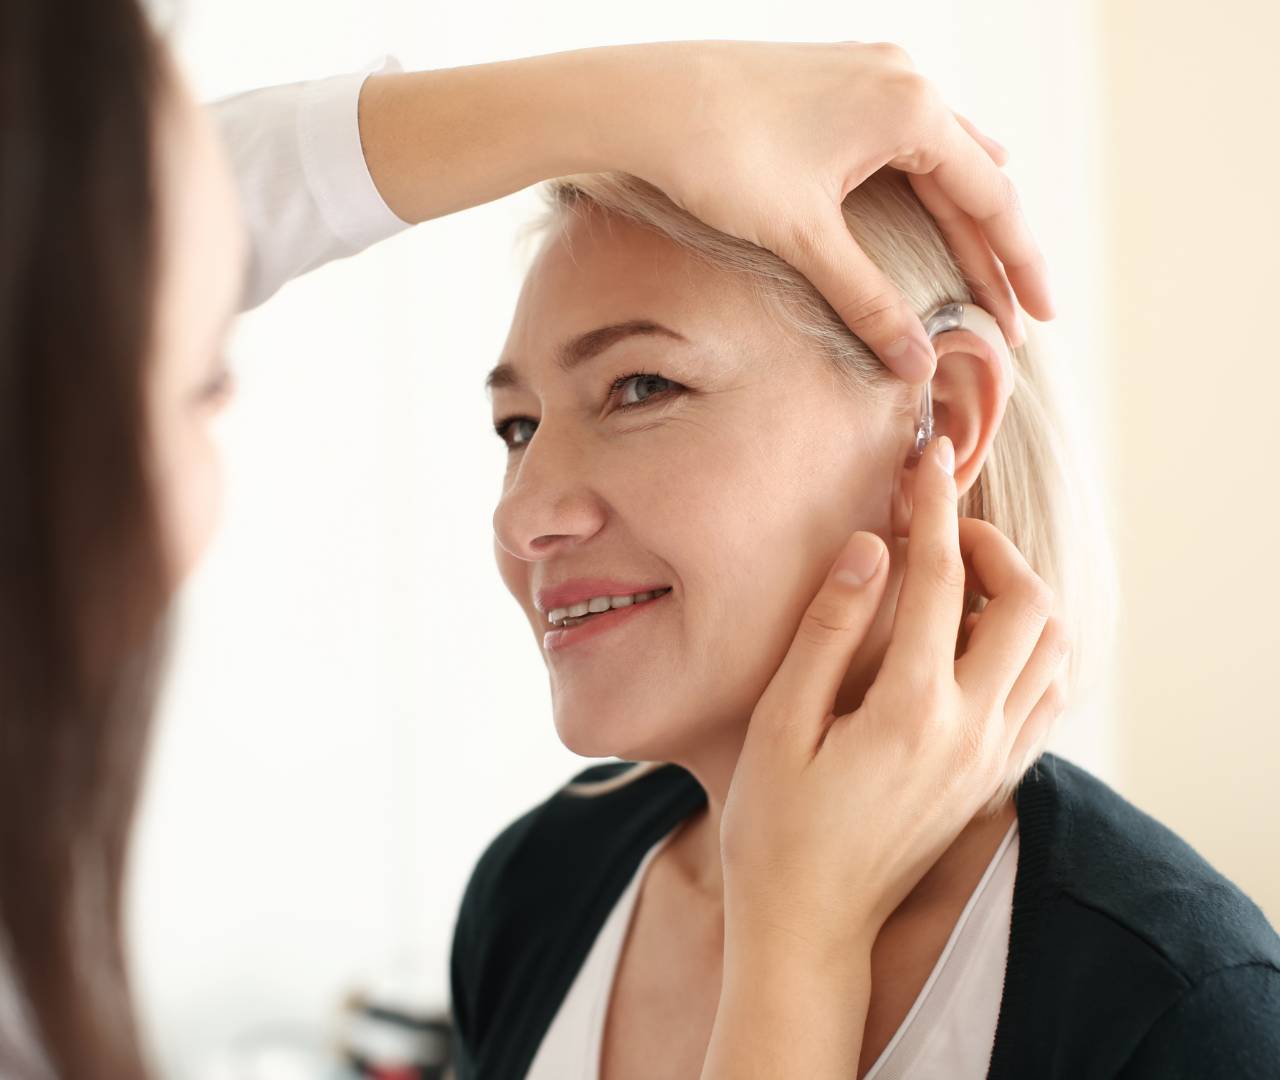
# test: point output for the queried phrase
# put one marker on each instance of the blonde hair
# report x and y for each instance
(1025, 487)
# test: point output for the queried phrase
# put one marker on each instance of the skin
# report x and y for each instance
(737, 485)
(415, 134)
(440, 141)
(760, 140)
(201, 267)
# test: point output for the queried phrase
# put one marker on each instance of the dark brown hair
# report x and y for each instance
(82, 578)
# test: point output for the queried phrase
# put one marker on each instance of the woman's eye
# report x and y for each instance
(216, 390)
(645, 383)
(647, 386)
(505, 427)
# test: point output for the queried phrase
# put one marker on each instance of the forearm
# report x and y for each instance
(440, 141)
(785, 1012)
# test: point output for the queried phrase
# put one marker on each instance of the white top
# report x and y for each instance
(306, 191)
(947, 1035)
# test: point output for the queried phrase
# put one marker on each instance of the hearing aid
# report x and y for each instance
(957, 316)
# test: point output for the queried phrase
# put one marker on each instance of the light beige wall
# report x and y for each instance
(1192, 186)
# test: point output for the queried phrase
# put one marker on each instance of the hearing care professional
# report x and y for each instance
(116, 280)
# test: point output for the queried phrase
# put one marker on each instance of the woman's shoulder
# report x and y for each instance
(1107, 854)
(1128, 952)
(581, 842)
(540, 893)
(604, 816)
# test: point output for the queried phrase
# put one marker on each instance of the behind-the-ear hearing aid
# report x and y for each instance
(957, 316)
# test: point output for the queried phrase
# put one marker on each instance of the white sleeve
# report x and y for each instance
(306, 191)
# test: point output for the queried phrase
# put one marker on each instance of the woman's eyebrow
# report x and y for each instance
(582, 348)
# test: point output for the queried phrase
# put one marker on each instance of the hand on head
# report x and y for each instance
(781, 165)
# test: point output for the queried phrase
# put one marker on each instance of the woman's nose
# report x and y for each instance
(548, 504)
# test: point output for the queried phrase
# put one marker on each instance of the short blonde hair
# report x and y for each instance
(1032, 487)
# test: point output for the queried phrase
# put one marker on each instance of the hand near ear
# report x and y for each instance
(831, 820)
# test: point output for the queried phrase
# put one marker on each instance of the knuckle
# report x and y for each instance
(1037, 597)
(935, 705)
(918, 711)
(971, 745)
(805, 241)
(825, 620)
(1055, 699)
(893, 54)
(980, 532)
(874, 310)
(946, 570)
(1057, 642)
(875, 316)
(1008, 202)
(915, 97)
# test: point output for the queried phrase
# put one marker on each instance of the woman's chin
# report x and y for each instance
(597, 735)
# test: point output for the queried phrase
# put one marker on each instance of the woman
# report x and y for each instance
(121, 266)
(686, 420)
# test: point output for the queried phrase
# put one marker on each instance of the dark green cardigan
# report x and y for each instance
(1129, 956)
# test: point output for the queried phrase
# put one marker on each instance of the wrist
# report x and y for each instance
(788, 1009)
(440, 141)
(768, 951)
(797, 920)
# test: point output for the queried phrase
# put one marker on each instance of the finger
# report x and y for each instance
(803, 690)
(998, 152)
(1030, 738)
(868, 302)
(931, 599)
(982, 271)
(978, 187)
(1019, 606)
(1045, 665)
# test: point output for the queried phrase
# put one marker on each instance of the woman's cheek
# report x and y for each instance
(191, 496)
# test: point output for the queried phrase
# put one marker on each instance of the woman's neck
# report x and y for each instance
(695, 851)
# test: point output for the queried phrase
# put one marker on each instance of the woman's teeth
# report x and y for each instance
(584, 609)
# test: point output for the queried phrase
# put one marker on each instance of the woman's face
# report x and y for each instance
(201, 259)
(735, 476)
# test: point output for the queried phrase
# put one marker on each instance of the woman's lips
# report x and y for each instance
(556, 640)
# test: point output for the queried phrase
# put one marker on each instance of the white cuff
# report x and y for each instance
(305, 188)
(333, 158)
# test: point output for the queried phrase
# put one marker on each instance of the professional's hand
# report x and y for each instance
(831, 820)
(764, 141)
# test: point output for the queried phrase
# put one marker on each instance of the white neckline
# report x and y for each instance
(921, 998)
(596, 977)
(623, 912)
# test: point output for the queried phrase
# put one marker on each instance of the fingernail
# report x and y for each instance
(861, 558)
(912, 359)
(946, 455)
(1020, 325)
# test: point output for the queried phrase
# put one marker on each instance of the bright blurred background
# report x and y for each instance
(357, 706)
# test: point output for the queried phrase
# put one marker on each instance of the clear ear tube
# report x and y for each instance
(955, 316)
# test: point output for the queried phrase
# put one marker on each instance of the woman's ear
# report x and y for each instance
(970, 389)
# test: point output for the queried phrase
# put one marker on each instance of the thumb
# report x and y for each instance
(803, 689)
(868, 302)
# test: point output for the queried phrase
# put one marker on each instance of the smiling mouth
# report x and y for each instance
(570, 621)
